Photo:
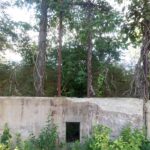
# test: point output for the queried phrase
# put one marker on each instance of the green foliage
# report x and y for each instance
(118, 144)
(100, 138)
(74, 71)
(112, 80)
(145, 145)
(100, 83)
(19, 80)
(133, 138)
(3, 147)
(130, 139)
(46, 139)
(137, 18)
(19, 144)
(16, 80)
(7, 27)
(6, 136)
(74, 146)
(5, 71)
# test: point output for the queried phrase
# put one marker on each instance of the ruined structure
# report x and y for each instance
(29, 114)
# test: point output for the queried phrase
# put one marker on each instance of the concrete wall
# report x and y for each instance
(29, 114)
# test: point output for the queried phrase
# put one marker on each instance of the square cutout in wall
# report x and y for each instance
(72, 131)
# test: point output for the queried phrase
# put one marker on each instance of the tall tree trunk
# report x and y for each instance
(141, 76)
(39, 71)
(60, 34)
(144, 54)
(145, 51)
(90, 90)
(140, 85)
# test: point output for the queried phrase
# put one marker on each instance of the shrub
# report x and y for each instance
(6, 136)
(46, 139)
(100, 138)
(3, 147)
(145, 145)
(132, 138)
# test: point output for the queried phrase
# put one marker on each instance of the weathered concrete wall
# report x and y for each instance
(29, 114)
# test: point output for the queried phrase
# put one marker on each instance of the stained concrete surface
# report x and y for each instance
(29, 114)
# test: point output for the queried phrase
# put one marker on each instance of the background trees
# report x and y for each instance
(79, 46)
(137, 31)
(7, 27)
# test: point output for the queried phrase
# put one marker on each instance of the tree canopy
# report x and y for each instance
(78, 50)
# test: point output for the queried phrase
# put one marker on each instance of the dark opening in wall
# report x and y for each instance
(72, 131)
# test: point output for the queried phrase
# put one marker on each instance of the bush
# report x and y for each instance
(3, 147)
(128, 140)
(46, 139)
(145, 145)
(132, 138)
(99, 140)
(5, 137)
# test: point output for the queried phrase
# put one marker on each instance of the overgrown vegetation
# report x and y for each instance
(81, 57)
(86, 50)
(46, 140)
(129, 139)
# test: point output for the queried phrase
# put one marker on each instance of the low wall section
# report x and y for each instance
(29, 114)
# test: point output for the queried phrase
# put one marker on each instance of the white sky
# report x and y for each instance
(10, 55)
(128, 58)
(24, 15)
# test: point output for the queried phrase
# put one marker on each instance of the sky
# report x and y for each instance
(24, 15)
(128, 57)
